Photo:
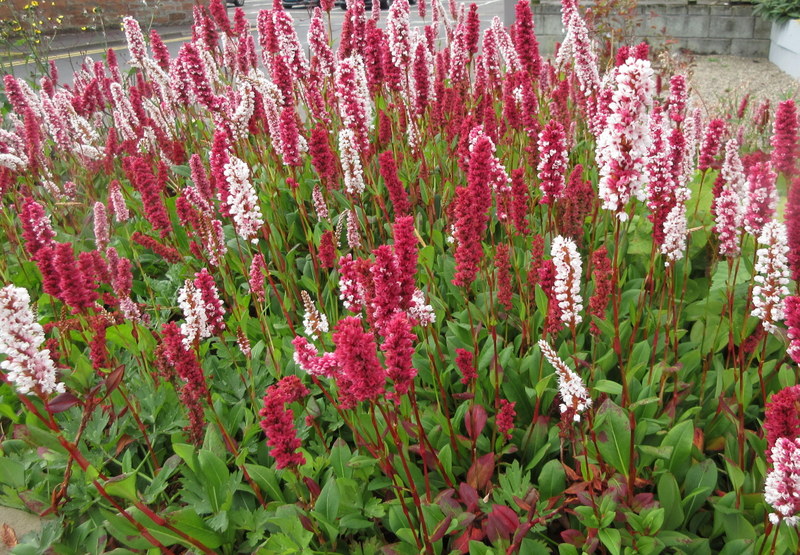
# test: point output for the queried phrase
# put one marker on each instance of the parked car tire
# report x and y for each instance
(386, 4)
(238, 3)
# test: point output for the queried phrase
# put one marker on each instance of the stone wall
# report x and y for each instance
(701, 28)
(75, 15)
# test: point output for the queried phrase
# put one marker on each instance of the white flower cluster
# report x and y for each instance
(318, 43)
(351, 163)
(355, 104)
(505, 46)
(574, 395)
(14, 157)
(772, 276)
(135, 40)
(398, 31)
(733, 169)
(125, 119)
(197, 326)
(242, 199)
(29, 369)
(320, 207)
(567, 285)
(240, 116)
(675, 228)
(314, 322)
(582, 50)
(782, 486)
(419, 310)
(624, 142)
(353, 235)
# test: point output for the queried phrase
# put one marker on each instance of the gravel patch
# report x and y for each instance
(719, 83)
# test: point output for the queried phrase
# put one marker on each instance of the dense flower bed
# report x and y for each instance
(421, 291)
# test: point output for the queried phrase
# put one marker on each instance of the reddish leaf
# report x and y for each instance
(469, 497)
(462, 542)
(312, 486)
(475, 419)
(502, 522)
(699, 439)
(480, 473)
(114, 378)
(522, 504)
(574, 537)
(463, 396)
(124, 441)
(62, 402)
(441, 529)
(307, 524)
(428, 457)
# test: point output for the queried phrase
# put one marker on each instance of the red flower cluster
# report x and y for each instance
(792, 218)
(601, 276)
(167, 253)
(194, 391)
(398, 348)
(785, 141)
(782, 417)
(141, 176)
(465, 365)
(397, 193)
(278, 421)
(503, 266)
(712, 141)
(472, 206)
(361, 377)
(505, 418)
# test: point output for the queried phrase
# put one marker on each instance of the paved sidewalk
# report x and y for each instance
(19, 522)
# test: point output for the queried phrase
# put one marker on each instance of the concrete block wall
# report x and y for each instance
(96, 14)
(701, 28)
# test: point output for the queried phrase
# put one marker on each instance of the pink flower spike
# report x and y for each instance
(772, 276)
(762, 199)
(782, 486)
(552, 161)
(30, 369)
(574, 395)
(567, 285)
(624, 142)
(101, 235)
(202, 308)
(242, 200)
(792, 311)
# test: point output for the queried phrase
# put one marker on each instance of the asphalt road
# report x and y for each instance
(69, 52)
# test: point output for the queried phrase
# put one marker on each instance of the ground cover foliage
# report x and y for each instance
(421, 291)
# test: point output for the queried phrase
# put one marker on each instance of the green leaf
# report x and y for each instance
(339, 457)
(669, 497)
(215, 472)
(701, 479)
(266, 479)
(13, 473)
(190, 523)
(552, 479)
(123, 486)
(159, 483)
(680, 439)
(612, 539)
(328, 501)
(608, 386)
(613, 436)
